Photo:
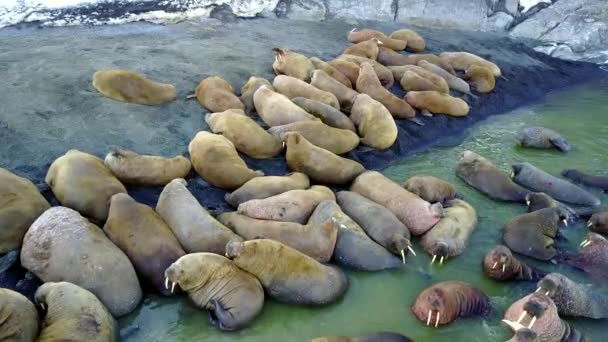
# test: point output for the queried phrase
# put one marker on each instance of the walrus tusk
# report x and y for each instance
(441, 261)
(538, 289)
(504, 266)
(284, 144)
(504, 78)
(527, 202)
(437, 320)
(532, 322)
(565, 222)
(167, 283)
(353, 30)
(494, 266)
(191, 96)
(521, 317)
(409, 248)
(428, 320)
(586, 244)
(434, 257)
(589, 224)
(172, 286)
(512, 174)
(403, 256)
(514, 326)
(42, 306)
(547, 293)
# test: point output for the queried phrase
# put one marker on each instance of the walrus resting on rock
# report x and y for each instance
(592, 258)
(367, 49)
(375, 124)
(430, 189)
(573, 299)
(20, 205)
(463, 60)
(328, 114)
(346, 96)
(500, 264)
(384, 74)
(331, 71)
(267, 186)
(74, 314)
(368, 83)
(292, 64)
(335, 140)
(600, 182)
(293, 87)
(388, 57)
(217, 95)
(233, 298)
(288, 275)
(414, 41)
(481, 78)
(367, 34)
(127, 86)
(415, 78)
(144, 170)
(276, 109)
(444, 302)
(377, 337)
(437, 103)
(18, 317)
(540, 137)
(249, 88)
(454, 82)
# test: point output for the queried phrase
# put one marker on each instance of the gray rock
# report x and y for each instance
(470, 14)
(512, 6)
(500, 21)
(306, 9)
(223, 13)
(382, 10)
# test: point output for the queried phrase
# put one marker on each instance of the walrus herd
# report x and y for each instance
(100, 250)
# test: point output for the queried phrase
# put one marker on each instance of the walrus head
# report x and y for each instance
(441, 250)
(436, 304)
(551, 284)
(177, 273)
(280, 53)
(234, 249)
(499, 259)
(291, 138)
(560, 143)
(41, 293)
(400, 243)
(593, 240)
(533, 309)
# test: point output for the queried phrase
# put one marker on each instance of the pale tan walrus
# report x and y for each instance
(368, 83)
(217, 95)
(336, 140)
(276, 109)
(145, 170)
(437, 103)
(18, 317)
(127, 86)
(374, 122)
(293, 87)
(292, 64)
(267, 186)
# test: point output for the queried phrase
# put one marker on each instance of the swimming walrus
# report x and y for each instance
(431, 189)
(331, 71)
(18, 317)
(599, 222)
(592, 258)
(367, 34)
(20, 205)
(276, 109)
(346, 96)
(375, 337)
(329, 115)
(249, 88)
(454, 82)
(414, 41)
(216, 160)
(247, 136)
(335, 140)
(385, 75)
(74, 314)
(481, 78)
(291, 206)
(463, 60)
(577, 176)
(533, 178)
(288, 275)
(367, 49)
(437, 103)
(217, 95)
(82, 182)
(292, 87)
(145, 238)
(445, 302)
(375, 124)
(233, 297)
(127, 86)
(145, 170)
(573, 299)
(61, 245)
(292, 64)
(540, 200)
(267, 186)
(500, 264)
(484, 176)
(391, 58)
(195, 229)
(417, 214)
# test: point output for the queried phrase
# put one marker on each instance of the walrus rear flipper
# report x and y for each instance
(221, 317)
(417, 121)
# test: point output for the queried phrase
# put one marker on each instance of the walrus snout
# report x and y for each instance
(234, 249)
(547, 286)
(172, 275)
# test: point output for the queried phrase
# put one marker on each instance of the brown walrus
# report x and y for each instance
(74, 314)
(127, 86)
(20, 205)
(415, 78)
(375, 337)
(437, 103)
(293, 87)
(144, 237)
(454, 82)
(414, 41)
(192, 225)
(346, 96)
(375, 124)
(389, 57)
(288, 275)
(247, 136)
(233, 298)
(463, 60)
(592, 258)
(18, 317)
(249, 88)
(481, 78)
(385, 75)
(500, 264)
(292, 64)
(444, 302)
(217, 95)
(216, 160)
(331, 71)
(349, 69)
(329, 115)
(319, 164)
(145, 170)
(335, 140)
(367, 49)
(276, 109)
(267, 186)
(599, 222)
(368, 83)
(367, 34)
(540, 200)
(430, 189)
(291, 206)
(82, 182)
(574, 299)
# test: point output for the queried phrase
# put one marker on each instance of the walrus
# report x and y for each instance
(573, 299)
(288, 275)
(74, 314)
(378, 222)
(367, 34)
(348, 68)
(216, 160)
(463, 60)
(267, 186)
(384, 74)
(599, 222)
(368, 83)
(414, 41)
(315, 239)
(61, 245)
(292, 64)
(335, 140)
(430, 189)
(346, 96)
(328, 114)
(331, 71)
(592, 258)
(375, 337)
(319, 164)
(415, 78)
(375, 124)
(417, 214)
(367, 49)
(20, 205)
(145, 238)
(276, 109)
(82, 182)
(291, 206)
(533, 178)
(245, 134)
(533, 234)
(217, 95)
(454, 82)
(292, 87)
(249, 88)
(145, 170)
(233, 297)
(127, 86)
(195, 229)
(391, 58)
(600, 182)
(437, 103)
(445, 302)
(18, 317)
(481, 78)
(540, 200)
(484, 176)
(500, 264)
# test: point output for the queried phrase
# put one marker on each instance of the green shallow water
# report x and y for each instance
(381, 301)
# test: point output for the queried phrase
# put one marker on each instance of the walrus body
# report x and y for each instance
(600, 182)
(335, 140)
(437, 103)
(540, 200)
(573, 299)
(464, 60)
(267, 186)
(391, 58)
(430, 189)
(293, 87)
(292, 64)
(444, 302)
(217, 95)
(375, 124)
(195, 229)
(144, 237)
(599, 222)
(454, 82)
(368, 83)
(367, 34)
(384, 74)
(276, 109)
(82, 182)
(500, 264)
(144, 170)
(249, 88)
(367, 49)
(288, 275)
(592, 258)
(216, 160)
(377, 337)
(127, 86)
(18, 317)
(481, 78)
(417, 214)
(533, 178)
(348, 68)
(233, 298)
(346, 96)
(540, 137)
(484, 176)
(331, 71)
(416, 78)
(61, 245)
(414, 41)
(20, 205)
(246, 135)
(328, 114)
